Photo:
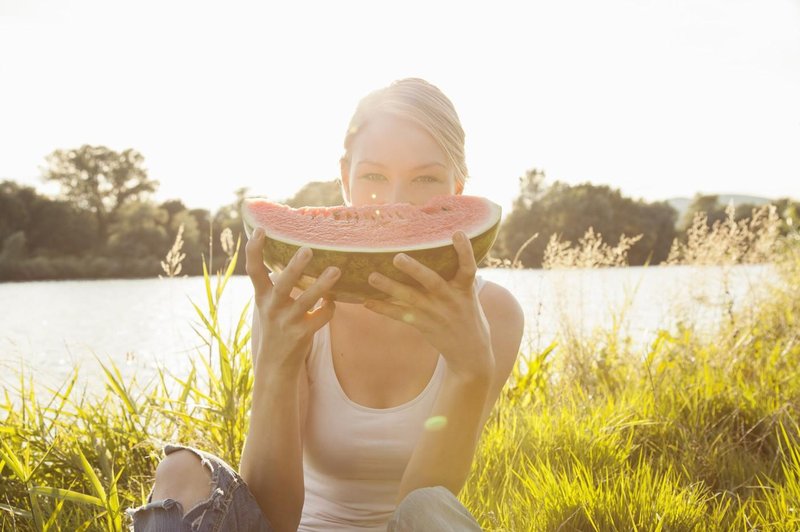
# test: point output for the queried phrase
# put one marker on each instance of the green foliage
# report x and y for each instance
(51, 227)
(100, 180)
(139, 231)
(567, 212)
(317, 193)
(104, 225)
(44, 238)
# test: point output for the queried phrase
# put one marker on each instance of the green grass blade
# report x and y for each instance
(93, 478)
(115, 380)
(13, 462)
(207, 283)
(67, 495)
(19, 512)
(228, 272)
(53, 516)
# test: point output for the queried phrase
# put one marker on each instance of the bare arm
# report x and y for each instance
(282, 335)
(272, 458)
(444, 457)
(479, 345)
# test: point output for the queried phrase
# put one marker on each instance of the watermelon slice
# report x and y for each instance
(361, 240)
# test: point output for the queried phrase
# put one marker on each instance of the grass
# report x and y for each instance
(695, 432)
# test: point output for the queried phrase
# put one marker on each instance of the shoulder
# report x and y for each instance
(499, 303)
(506, 322)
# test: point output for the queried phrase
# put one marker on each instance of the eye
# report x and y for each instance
(373, 177)
(428, 179)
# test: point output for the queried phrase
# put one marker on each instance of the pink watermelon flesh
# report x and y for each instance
(380, 227)
(360, 240)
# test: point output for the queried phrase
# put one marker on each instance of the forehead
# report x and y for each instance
(392, 140)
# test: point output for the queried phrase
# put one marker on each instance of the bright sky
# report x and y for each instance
(658, 98)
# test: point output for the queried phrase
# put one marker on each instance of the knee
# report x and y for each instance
(182, 467)
(419, 499)
(432, 509)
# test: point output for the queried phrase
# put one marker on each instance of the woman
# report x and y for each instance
(342, 392)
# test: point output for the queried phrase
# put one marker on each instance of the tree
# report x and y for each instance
(531, 189)
(59, 228)
(789, 210)
(139, 231)
(714, 210)
(523, 222)
(15, 201)
(569, 211)
(100, 180)
(51, 227)
(317, 194)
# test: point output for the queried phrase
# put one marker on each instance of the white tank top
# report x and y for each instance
(354, 456)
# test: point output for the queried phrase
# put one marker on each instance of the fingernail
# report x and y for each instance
(258, 233)
(331, 272)
(305, 252)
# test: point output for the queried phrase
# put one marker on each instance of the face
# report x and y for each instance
(393, 160)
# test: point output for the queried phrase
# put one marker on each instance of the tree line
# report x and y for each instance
(104, 223)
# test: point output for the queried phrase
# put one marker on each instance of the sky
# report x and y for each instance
(657, 98)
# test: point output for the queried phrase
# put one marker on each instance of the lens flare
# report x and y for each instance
(408, 317)
(436, 423)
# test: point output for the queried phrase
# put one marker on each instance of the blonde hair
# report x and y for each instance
(423, 103)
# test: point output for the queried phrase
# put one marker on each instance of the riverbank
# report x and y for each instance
(695, 432)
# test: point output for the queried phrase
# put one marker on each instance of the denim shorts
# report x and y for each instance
(231, 506)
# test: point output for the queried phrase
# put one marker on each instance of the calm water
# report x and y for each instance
(47, 328)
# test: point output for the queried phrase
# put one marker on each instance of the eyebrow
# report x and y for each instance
(420, 167)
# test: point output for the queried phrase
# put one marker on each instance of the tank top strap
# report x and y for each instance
(480, 282)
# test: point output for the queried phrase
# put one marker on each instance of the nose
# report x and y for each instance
(400, 193)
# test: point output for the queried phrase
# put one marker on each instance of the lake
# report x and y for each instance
(49, 327)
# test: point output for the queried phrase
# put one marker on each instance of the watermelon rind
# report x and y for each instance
(356, 264)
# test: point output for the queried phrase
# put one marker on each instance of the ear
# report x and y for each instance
(344, 172)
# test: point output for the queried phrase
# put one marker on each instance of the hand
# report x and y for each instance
(287, 325)
(447, 313)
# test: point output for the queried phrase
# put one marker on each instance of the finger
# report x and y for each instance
(428, 278)
(254, 262)
(399, 291)
(310, 296)
(321, 315)
(291, 274)
(467, 268)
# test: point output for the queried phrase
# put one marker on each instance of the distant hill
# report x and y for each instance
(682, 204)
